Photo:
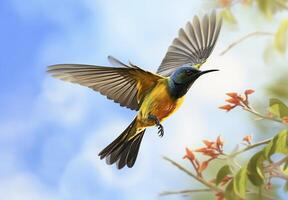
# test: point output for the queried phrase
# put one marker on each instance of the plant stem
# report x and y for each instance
(254, 112)
(195, 168)
(233, 44)
(250, 147)
(183, 192)
(280, 174)
(275, 168)
(200, 179)
(280, 162)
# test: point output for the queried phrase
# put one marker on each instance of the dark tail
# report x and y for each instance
(124, 149)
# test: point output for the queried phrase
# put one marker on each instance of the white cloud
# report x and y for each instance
(24, 186)
(62, 103)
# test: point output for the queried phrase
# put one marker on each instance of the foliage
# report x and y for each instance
(252, 178)
(233, 181)
(268, 8)
(260, 167)
(281, 37)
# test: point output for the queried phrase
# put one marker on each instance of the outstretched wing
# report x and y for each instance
(125, 85)
(193, 45)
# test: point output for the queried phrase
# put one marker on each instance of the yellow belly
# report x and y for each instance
(159, 103)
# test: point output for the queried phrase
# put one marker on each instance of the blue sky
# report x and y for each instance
(51, 131)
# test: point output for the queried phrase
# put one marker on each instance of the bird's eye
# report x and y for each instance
(188, 72)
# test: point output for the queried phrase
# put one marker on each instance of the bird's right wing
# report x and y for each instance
(193, 45)
(126, 85)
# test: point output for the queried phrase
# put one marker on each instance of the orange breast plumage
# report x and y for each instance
(159, 103)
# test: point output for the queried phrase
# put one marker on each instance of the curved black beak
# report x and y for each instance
(207, 71)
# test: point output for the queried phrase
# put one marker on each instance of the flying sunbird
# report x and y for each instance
(154, 95)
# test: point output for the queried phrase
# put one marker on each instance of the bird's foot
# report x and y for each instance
(158, 124)
(160, 130)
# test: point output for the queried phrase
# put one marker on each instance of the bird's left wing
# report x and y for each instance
(193, 45)
(126, 85)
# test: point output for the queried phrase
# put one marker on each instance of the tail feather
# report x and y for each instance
(132, 154)
(116, 143)
(124, 149)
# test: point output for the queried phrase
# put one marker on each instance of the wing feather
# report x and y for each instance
(120, 84)
(193, 45)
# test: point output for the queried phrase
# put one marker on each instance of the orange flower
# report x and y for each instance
(227, 107)
(189, 155)
(248, 139)
(224, 3)
(203, 166)
(232, 94)
(201, 150)
(219, 143)
(235, 101)
(211, 149)
(208, 143)
(249, 91)
(207, 152)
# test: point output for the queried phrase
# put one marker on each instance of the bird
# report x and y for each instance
(155, 96)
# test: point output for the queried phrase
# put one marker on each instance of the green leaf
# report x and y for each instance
(278, 108)
(254, 168)
(224, 171)
(230, 193)
(281, 37)
(285, 168)
(279, 144)
(240, 182)
(228, 16)
(236, 188)
(265, 7)
(270, 7)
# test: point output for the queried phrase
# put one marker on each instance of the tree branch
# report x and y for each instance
(254, 112)
(275, 170)
(279, 174)
(250, 147)
(183, 192)
(200, 179)
(233, 44)
(281, 162)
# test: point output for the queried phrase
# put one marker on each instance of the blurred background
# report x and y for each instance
(52, 131)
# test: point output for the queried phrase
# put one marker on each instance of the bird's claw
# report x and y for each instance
(159, 126)
(160, 130)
